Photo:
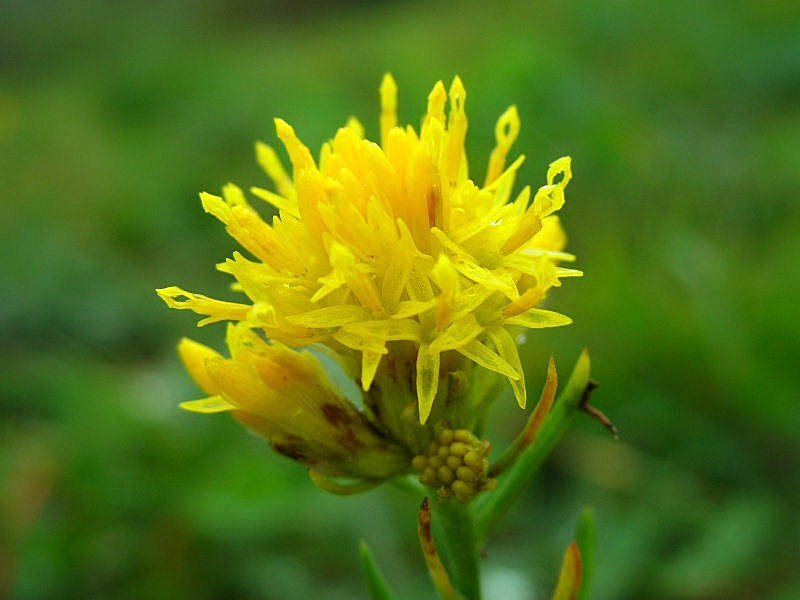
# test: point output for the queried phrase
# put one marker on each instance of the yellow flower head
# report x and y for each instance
(394, 260)
(286, 396)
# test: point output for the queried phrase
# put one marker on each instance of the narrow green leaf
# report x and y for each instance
(586, 538)
(513, 482)
(376, 582)
(457, 552)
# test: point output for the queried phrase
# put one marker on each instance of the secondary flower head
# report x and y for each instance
(286, 396)
(391, 258)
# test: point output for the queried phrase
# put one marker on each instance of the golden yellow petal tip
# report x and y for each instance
(388, 84)
(457, 89)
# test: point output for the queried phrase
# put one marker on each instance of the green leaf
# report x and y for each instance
(586, 537)
(376, 582)
(457, 557)
(513, 482)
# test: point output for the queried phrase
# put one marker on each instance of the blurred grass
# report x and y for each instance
(682, 122)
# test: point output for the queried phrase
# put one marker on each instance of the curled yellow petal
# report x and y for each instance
(436, 102)
(356, 127)
(269, 161)
(505, 132)
(563, 167)
(216, 206)
(194, 356)
(527, 300)
(453, 152)
(299, 154)
(279, 202)
(217, 310)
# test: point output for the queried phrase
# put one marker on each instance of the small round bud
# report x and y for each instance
(458, 448)
(428, 476)
(445, 475)
(473, 459)
(446, 437)
(456, 465)
(453, 462)
(466, 474)
(461, 488)
(462, 435)
(418, 463)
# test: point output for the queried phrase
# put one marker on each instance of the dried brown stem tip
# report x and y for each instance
(594, 412)
(432, 560)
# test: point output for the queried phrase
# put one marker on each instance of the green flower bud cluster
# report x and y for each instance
(456, 464)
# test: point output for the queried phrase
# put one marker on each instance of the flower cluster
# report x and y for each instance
(456, 463)
(391, 259)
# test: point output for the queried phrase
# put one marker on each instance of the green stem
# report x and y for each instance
(410, 485)
(496, 503)
(459, 548)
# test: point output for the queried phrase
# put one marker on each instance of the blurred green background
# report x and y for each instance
(683, 121)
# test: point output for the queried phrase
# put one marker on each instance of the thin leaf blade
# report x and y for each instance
(376, 582)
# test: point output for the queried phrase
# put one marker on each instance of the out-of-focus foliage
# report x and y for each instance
(682, 120)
